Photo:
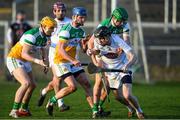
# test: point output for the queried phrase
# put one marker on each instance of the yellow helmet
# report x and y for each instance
(48, 21)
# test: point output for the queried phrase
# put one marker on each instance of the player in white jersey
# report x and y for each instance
(118, 25)
(18, 63)
(106, 46)
(59, 10)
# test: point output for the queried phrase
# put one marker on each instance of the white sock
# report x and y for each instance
(60, 102)
(14, 110)
(44, 92)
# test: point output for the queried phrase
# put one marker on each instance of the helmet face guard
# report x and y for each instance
(102, 34)
(120, 14)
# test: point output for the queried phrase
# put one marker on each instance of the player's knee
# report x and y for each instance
(96, 93)
(26, 84)
(87, 84)
(33, 85)
(72, 88)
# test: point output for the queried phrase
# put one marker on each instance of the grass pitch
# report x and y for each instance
(159, 101)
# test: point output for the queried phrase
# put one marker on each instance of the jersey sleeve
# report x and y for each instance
(64, 36)
(126, 28)
(28, 39)
(96, 45)
(84, 35)
(121, 43)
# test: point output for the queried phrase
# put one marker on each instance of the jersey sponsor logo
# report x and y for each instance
(65, 69)
(73, 42)
(111, 55)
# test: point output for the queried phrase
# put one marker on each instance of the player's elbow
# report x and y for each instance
(24, 55)
(132, 56)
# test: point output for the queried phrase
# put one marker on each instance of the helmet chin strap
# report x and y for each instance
(77, 23)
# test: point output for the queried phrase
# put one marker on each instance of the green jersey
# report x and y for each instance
(71, 36)
(34, 37)
(124, 28)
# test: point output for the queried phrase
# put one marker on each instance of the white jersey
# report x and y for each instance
(112, 60)
(109, 53)
(54, 37)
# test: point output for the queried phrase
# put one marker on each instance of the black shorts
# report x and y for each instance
(76, 74)
(66, 75)
(127, 79)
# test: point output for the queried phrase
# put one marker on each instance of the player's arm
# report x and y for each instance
(90, 45)
(9, 38)
(26, 54)
(126, 34)
(63, 53)
(126, 38)
(128, 51)
(131, 59)
(84, 43)
(94, 53)
(44, 55)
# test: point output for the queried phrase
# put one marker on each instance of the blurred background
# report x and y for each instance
(155, 30)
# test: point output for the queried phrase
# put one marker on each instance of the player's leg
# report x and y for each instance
(50, 85)
(103, 98)
(24, 110)
(119, 97)
(85, 83)
(127, 93)
(96, 94)
(44, 91)
(70, 88)
(54, 84)
(57, 85)
(16, 69)
(64, 72)
(100, 95)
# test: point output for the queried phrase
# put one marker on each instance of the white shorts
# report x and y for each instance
(51, 56)
(65, 68)
(114, 78)
(13, 64)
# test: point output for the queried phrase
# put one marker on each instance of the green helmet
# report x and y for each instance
(120, 14)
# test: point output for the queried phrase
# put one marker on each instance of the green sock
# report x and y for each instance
(101, 102)
(16, 105)
(95, 107)
(53, 100)
(24, 106)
